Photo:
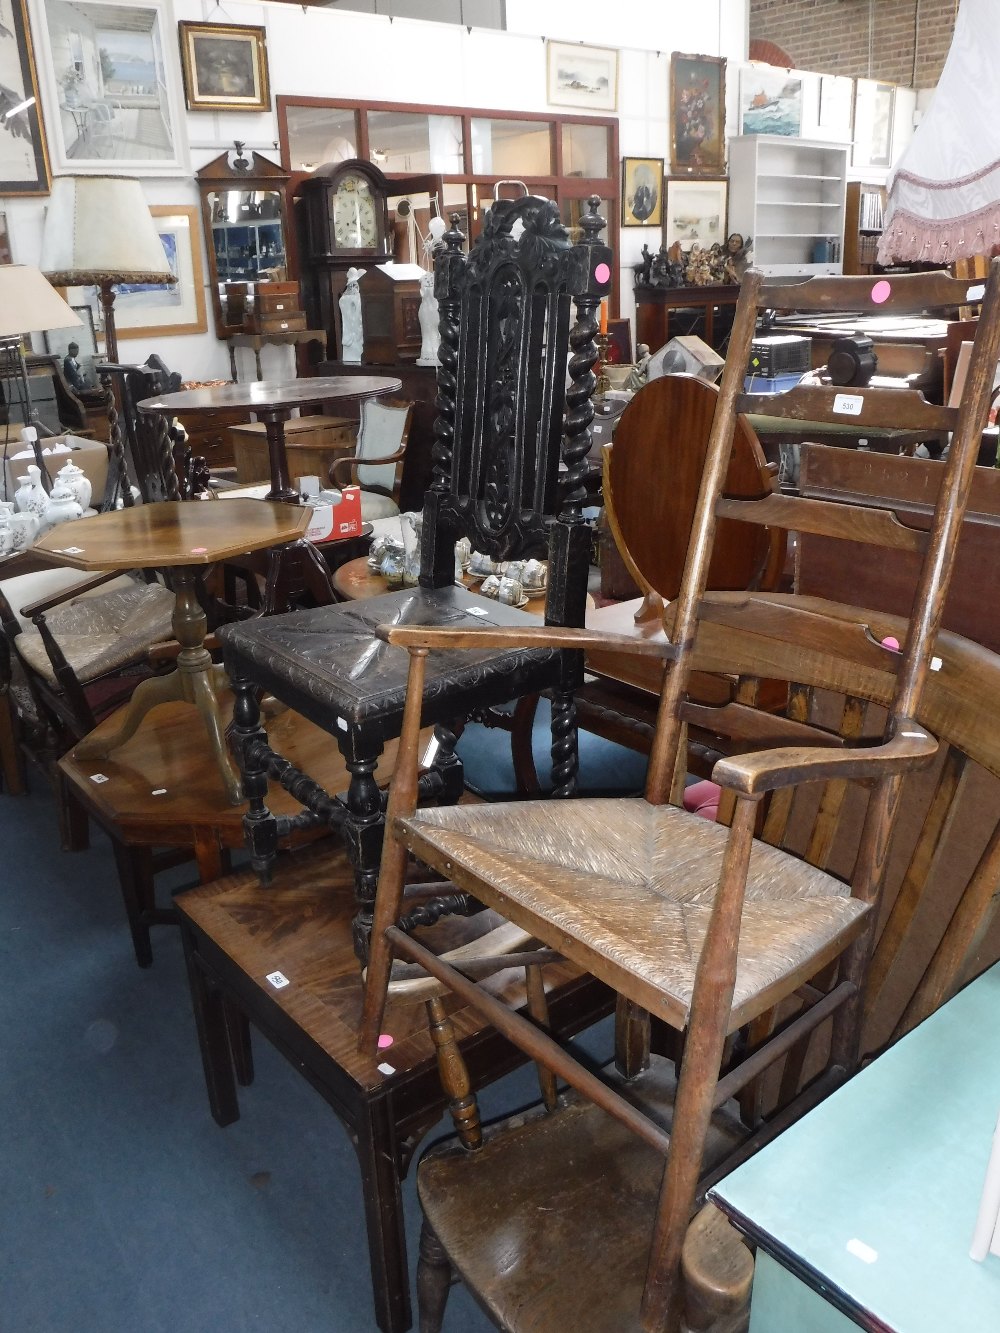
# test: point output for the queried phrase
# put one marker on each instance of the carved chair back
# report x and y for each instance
(143, 443)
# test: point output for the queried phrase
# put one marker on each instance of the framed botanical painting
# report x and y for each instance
(696, 211)
(583, 76)
(24, 158)
(770, 101)
(146, 310)
(642, 191)
(112, 89)
(697, 114)
(224, 66)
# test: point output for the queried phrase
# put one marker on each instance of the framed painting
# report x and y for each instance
(770, 101)
(24, 157)
(874, 105)
(642, 191)
(6, 254)
(583, 76)
(619, 348)
(148, 310)
(224, 67)
(111, 84)
(696, 211)
(697, 114)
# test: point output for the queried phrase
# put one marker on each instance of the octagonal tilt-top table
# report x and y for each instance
(182, 536)
(294, 568)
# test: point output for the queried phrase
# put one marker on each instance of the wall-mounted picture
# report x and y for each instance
(111, 84)
(584, 76)
(619, 346)
(697, 114)
(6, 253)
(874, 104)
(642, 191)
(147, 310)
(770, 101)
(836, 103)
(696, 211)
(225, 67)
(24, 160)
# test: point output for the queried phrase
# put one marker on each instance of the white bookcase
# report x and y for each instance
(789, 195)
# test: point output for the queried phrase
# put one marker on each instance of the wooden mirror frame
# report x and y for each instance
(248, 170)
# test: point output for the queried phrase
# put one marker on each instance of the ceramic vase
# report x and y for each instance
(78, 482)
(62, 505)
(30, 496)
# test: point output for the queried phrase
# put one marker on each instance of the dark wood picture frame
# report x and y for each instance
(619, 351)
(224, 66)
(697, 115)
(24, 161)
(642, 191)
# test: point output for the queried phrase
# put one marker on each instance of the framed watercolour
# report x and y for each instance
(224, 67)
(696, 211)
(874, 104)
(24, 158)
(770, 101)
(583, 76)
(111, 85)
(697, 114)
(642, 191)
(145, 310)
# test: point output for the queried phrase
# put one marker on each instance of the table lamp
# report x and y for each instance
(28, 304)
(98, 229)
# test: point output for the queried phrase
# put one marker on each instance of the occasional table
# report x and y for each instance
(355, 580)
(293, 569)
(863, 1211)
(183, 537)
(255, 341)
(654, 305)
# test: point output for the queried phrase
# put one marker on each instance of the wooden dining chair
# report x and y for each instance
(377, 463)
(703, 927)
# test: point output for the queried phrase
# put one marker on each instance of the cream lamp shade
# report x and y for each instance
(98, 229)
(29, 303)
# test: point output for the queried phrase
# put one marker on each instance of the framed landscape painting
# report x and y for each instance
(696, 211)
(24, 159)
(697, 114)
(112, 89)
(224, 66)
(583, 76)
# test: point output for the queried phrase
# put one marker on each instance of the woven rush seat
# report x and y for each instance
(99, 634)
(635, 884)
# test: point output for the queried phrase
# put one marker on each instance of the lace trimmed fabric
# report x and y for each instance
(944, 196)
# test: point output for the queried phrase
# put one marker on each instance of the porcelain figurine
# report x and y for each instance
(430, 323)
(352, 339)
(78, 482)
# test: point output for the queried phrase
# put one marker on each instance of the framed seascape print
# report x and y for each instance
(583, 76)
(111, 84)
(770, 101)
(873, 111)
(24, 158)
(145, 310)
(642, 191)
(697, 114)
(696, 211)
(224, 67)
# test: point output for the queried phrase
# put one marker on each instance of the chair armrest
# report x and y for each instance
(339, 463)
(768, 770)
(523, 636)
(44, 604)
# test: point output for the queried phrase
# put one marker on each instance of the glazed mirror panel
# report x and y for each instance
(248, 237)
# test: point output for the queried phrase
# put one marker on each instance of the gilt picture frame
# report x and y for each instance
(24, 154)
(642, 191)
(697, 114)
(224, 67)
(696, 211)
(147, 310)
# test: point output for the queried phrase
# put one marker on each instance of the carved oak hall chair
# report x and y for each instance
(698, 926)
(506, 420)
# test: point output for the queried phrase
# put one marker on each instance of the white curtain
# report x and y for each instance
(944, 194)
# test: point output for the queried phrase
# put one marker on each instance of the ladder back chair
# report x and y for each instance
(506, 422)
(703, 926)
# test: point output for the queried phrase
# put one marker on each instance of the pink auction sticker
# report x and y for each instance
(602, 273)
(199, 550)
(881, 291)
(385, 1041)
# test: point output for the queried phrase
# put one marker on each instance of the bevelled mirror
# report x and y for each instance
(246, 231)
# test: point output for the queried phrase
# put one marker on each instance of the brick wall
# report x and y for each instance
(832, 36)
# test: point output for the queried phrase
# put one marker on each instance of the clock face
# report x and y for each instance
(355, 223)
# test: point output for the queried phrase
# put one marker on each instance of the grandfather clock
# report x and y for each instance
(344, 222)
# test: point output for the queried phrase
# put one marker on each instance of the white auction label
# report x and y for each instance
(850, 404)
(277, 979)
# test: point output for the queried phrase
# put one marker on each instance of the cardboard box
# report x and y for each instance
(334, 523)
(90, 455)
